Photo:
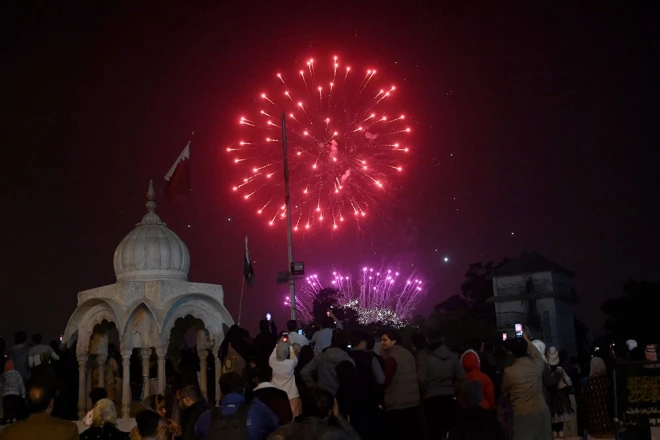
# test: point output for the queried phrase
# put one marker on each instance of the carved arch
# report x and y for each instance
(79, 316)
(96, 315)
(202, 307)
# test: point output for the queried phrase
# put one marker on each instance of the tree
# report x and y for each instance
(475, 291)
(633, 314)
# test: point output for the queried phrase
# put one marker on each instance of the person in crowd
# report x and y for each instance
(265, 341)
(158, 404)
(19, 354)
(95, 395)
(321, 421)
(559, 392)
(523, 384)
(371, 348)
(12, 389)
(419, 342)
(294, 337)
(325, 363)
(150, 426)
(259, 420)
(40, 353)
(366, 414)
(596, 398)
(40, 424)
(192, 405)
(273, 395)
(304, 357)
(104, 423)
(113, 379)
(571, 428)
(470, 362)
(283, 361)
(440, 377)
(473, 421)
(322, 339)
(402, 396)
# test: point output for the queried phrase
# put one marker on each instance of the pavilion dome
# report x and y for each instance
(151, 251)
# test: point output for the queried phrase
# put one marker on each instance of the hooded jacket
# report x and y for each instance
(471, 365)
(325, 365)
(440, 371)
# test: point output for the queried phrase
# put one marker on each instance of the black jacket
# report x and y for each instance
(278, 402)
(189, 418)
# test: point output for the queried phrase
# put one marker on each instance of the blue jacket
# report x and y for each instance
(261, 420)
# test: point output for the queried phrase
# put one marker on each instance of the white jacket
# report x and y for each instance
(283, 373)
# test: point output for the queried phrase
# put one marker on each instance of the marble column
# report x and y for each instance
(100, 363)
(218, 372)
(126, 396)
(161, 352)
(203, 354)
(145, 354)
(82, 391)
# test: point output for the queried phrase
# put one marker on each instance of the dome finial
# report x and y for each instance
(151, 218)
(151, 197)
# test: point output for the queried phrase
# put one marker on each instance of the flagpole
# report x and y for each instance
(240, 302)
(287, 203)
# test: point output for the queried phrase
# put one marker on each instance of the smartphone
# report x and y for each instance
(504, 336)
(268, 316)
(300, 332)
(61, 338)
(519, 330)
(328, 312)
(285, 336)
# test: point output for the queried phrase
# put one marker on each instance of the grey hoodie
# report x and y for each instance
(325, 365)
(19, 354)
(440, 371)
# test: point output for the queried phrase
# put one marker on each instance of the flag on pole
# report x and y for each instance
(248, 272)
(178, 177)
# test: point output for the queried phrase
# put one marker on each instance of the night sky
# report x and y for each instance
(535, 127)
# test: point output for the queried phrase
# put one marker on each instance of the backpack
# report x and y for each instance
(231, 427)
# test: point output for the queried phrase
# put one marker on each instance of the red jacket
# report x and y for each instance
(470, 362)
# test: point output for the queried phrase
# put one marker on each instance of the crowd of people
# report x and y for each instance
(336, 385)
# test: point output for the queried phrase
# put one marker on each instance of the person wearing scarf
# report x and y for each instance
(596, 398)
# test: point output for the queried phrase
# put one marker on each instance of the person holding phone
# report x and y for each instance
(523, 384)
(294, 336)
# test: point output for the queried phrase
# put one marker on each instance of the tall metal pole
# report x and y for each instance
(287, 203)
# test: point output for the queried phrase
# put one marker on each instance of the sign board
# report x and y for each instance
(638, 393)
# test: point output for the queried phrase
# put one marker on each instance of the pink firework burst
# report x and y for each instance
(346, 143)
(384, 295)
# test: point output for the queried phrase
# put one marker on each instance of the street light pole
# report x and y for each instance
(287, 203)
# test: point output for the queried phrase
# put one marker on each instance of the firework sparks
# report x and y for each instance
(377, 295)
(347, 145)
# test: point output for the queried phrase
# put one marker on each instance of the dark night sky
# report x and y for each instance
(537, 120)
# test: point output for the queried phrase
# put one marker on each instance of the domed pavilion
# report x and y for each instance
(152, 291)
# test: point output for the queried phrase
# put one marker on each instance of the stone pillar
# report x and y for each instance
(126, 396)
(145, 354)
(203, 354)
(89, 386)
(161, 352)
(82, 391)
(100, 363)
(218, 372)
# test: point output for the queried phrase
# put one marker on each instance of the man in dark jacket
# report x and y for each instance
(265, 341)
(260, 420)
(325, 364)
(274, 398)
(474, 422)
(322, 422)
(192, 406)
(440, 374)
(367, 393)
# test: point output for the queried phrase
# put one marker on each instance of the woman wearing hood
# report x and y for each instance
(596, 398)
(283, 361)
(13, 393)
(471, 365)
(559, 391)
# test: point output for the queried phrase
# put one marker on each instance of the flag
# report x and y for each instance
(248, 272)
(178, 177)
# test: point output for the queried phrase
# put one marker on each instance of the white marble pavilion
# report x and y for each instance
(152, 291)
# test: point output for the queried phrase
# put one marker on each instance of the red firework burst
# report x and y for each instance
(345, 145)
